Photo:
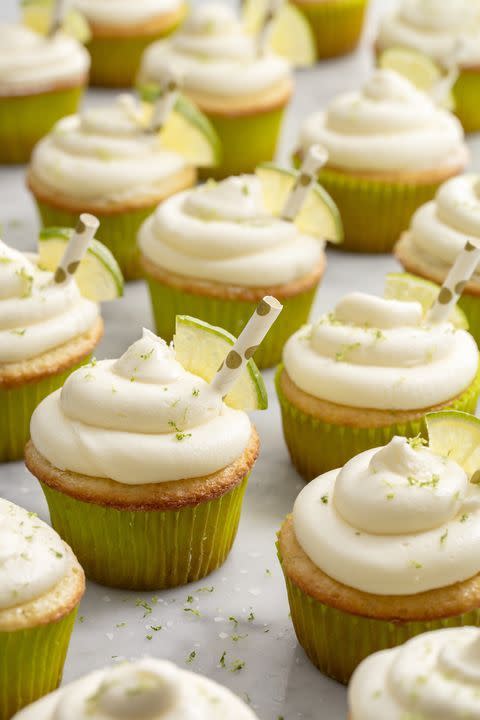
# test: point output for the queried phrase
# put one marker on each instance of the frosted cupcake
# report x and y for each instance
(434, 676)
(144, 448)
(379, 551)
(336, 24)
(438, 231)
(243, 92)
(436, 28)
(389, 150)
(121, 30)
(368, 371)
(41, 585)
(41, 80)
(146, 688)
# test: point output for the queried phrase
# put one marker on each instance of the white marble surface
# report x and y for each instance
(277, 678)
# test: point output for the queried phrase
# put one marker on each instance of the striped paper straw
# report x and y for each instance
(77, 246)
(265, 31)
(247, 344)
(169, 90)
(58, 15)
(315, 159)
(454, 285)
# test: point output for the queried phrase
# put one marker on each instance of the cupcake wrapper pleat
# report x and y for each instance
(31, 663)
(470, 304)
(316, 446)
(25, 119)
(336, 24)
(232, 315)
(466, 93)
(147, 550)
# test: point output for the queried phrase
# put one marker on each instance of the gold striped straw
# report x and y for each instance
(77, 246)
(58, 16)
(246, 344)
(169, 91)
(455, 282)
(315, 159)
(263, 38)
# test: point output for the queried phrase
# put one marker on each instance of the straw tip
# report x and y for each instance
(318, 154)
(89, 221)
(272, 302)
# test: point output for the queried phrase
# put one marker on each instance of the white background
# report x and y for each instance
(277, 678)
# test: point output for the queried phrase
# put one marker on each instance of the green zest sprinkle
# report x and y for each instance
(222, 659)
(417, 442)
(233, 620)
(237, 665)
(324, 499)
(251, 616)
(193, 611)
(390, 496)
(416, 564)
(147, 356)
(464, 518)
(18, 332)
(341, 354)
(144, 604)
(191, 657)
(444, 537)
(195, 392)
(182, 436)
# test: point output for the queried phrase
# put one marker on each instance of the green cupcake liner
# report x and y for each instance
(25, 119)
(316, 446)
(374, 213)
(336, 642)
(159, 549)
(16, 408)
(118, 231)
(466, 93)
(31, 663)
(336, 24)
(232, 315)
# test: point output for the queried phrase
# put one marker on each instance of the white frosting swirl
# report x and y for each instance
(440, 229)
(389, 126)
(103, 156)
(222, 232)
(125, 12)
(146, 689)
(376, 353)
(214, 54)
(37, 315)
(434, 27)
(33, 558)
(432, 677)
(140, 419)
(397, 520)
(32, 62)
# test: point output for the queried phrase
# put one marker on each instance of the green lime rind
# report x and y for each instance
(456, 435)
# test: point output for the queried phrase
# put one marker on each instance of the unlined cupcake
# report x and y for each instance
(370, 370)
(242, 90)
(433, 676)
(446, 32)
(390, 148)
(121, 30)
(438, 232)
(41, 585)
(380, 551)
(41, 80)
(147, 688)
(336, 24)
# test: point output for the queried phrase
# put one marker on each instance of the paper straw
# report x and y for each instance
(76, 248)
(454, 285)
(247, 344)
(169, 90)
(315, 159)
(58, 13)
(265, 31)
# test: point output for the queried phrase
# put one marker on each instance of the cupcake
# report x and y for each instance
(438, 231)
(41, 80)
(443, 31)
(147, 688)
(243, 91)
(431, 677)
(379, 551)
(215, 251)
(143, 448)
(121, 30)
(389, 150)
(336, 24)
(47, 330)
(102, 161)
(41, 585)
(370, 370)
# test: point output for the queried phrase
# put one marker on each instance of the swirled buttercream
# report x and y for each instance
(148, 689)
(222, 232)
(37, 315)
(32, 62)
(377, 353)
(434, 27)
(103, 156)
(125, 12)
(397, 520)
(33, 558)
(389, 126)
(214, 55)
(140, 419)
(433, 677)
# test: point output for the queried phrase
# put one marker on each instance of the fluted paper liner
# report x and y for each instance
(336, 24)
(466, 93)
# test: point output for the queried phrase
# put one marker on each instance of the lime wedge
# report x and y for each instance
(37, 14)
(319, 216)
(404, 286)
(201, 349)
(456, 435)
(98, 277)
